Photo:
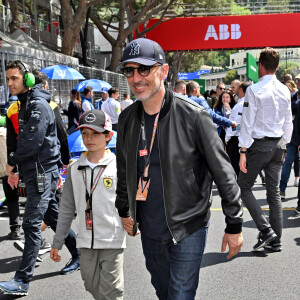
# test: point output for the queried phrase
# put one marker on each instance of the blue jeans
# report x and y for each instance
(39, 207)
(291, 154)
(175, 269)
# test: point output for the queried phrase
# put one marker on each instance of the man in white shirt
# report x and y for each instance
(265, 130)
(126, 101)
(112, 107)
(231, 137)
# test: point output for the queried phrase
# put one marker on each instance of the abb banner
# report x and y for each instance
(226, 32)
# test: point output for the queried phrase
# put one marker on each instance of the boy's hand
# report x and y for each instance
(54, 255)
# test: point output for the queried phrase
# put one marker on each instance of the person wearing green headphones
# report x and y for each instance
(36, 156)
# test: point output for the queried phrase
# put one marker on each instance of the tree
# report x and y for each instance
(15, 21)
(289, 67)
(230, 76)
(174, 60)
(72, 22)
(125, 17)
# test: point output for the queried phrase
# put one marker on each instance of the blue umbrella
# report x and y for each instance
(76, 144)
(96, 84)
(62, 72)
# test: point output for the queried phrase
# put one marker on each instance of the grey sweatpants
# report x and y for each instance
(268, 155)
(102, 272)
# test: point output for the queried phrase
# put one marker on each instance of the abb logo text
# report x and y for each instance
(224, 33)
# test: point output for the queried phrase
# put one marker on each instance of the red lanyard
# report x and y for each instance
(144, 140)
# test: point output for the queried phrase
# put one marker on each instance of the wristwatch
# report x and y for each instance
(243, 151)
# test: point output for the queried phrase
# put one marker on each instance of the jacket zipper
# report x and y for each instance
(92, 242)
(173, 238)
(137, 149)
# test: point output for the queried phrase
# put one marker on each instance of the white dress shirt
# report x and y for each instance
(266, 112)
(113, 108)
(236, 115)
(126, 103)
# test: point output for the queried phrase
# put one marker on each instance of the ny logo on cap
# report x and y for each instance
(135, 49)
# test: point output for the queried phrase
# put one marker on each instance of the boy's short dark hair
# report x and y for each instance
(112, 90)
(87, 89)
(16, 64)
(126, 95)
(269, 58)
(40, 77)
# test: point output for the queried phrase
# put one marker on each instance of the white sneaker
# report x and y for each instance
(296, 182)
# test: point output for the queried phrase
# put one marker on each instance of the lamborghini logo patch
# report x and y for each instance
(107, 182)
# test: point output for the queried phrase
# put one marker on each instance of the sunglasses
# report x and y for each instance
(142, 70)
(220, 88)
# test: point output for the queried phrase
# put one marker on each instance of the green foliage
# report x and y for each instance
(193, 61)
(289, 67)
(231, 75)
(239, 10)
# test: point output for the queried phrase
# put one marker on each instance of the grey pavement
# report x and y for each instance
(250, 275)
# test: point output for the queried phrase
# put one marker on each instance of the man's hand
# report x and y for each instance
(128, 225)
(54, 255)
(234, 125)
(242, 163)
(9, 169)
(235, 243)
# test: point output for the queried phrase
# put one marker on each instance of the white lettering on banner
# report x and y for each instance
(211, 32)
(224, 34)
(235, 32)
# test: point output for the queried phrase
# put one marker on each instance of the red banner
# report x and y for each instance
(226, 32)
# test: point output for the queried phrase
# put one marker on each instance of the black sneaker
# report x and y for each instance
(274, 246)
(264, 238)
(15, 234)
(297, 212)
(71, 266)
(282, 195)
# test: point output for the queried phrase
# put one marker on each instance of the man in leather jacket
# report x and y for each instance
(173, 165)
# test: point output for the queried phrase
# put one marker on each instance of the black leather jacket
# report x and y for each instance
(191, 155)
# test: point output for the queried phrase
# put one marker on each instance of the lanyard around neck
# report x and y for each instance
(88, 195)
(144, 140)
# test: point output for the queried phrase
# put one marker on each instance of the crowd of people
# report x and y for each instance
(229, 138)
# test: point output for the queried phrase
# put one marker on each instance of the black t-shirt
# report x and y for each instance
(151, 213)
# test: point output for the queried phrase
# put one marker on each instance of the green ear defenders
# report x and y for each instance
(29, 79)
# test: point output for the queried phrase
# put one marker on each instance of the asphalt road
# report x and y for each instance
(250, 275)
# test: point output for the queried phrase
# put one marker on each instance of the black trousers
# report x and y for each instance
(12, 200)
(232, 149)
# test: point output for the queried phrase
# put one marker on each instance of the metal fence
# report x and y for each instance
(60, 89)
(240, 7)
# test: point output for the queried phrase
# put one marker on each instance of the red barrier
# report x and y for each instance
(226, 32)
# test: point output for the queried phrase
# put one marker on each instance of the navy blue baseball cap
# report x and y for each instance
(142, 51)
